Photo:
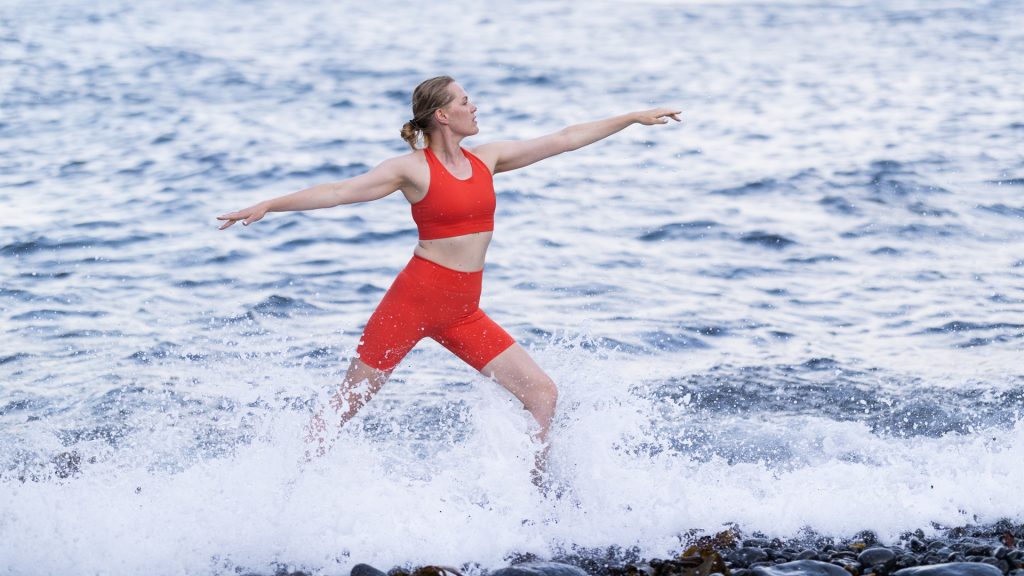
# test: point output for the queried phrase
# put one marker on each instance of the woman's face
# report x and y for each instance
(460, 113)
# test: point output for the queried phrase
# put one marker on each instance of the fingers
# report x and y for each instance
(245, 216)
(665, 114)
(230, 218)
(231, 221)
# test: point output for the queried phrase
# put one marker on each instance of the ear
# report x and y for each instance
(441, 117)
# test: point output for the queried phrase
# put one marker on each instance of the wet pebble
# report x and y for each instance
(952, 569)
(540, 569)
(801, 568)
(917, 546)
(748, 555)
(848, 565)
(366, 570)
(978, 550)
(876, 556)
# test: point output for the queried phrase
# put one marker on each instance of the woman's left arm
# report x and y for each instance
(510, 155)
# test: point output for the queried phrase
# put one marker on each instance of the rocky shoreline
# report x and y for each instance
(994, 550)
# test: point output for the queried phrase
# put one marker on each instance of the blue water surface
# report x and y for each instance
(802, 308)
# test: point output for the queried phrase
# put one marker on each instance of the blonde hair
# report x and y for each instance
(430, 96)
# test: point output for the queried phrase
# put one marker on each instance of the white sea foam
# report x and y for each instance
(381, 499)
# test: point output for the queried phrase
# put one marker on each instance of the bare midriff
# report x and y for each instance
(464, 253)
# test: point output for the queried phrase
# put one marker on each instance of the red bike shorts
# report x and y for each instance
(430, 300)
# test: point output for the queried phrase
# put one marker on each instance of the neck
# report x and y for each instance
(446, 145)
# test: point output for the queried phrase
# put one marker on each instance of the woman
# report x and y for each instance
(438, 292)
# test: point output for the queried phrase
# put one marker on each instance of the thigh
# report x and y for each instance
(518, 373)
(476, 339)
(398, 323)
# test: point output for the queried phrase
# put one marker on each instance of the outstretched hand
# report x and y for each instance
(247, 216)
(658, 116)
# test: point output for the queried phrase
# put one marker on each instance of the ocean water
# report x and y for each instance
(799, 311)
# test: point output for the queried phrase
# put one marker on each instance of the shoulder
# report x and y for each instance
(408, 161)
(409, 171)
(405, 167)
(488, 153)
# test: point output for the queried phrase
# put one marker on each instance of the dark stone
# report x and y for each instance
(907, 561)
(540, 569)
(807, 555)
(850, 565)
(801, 568)
(1002, 565)
(747, 555)
(917, 546)
(1001, 552)
(366, 570)
(952, 569)
(876, 556)
(978, 551)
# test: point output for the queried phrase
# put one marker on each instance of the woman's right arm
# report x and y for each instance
(382, 180)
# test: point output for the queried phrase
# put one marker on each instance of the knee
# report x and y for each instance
(545, 395)
(551, 390)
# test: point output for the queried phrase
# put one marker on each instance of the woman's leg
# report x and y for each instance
(393, 329)
(486, 346)
(517, 372)
(359, 386)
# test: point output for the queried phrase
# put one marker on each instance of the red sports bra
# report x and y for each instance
(454, 207)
